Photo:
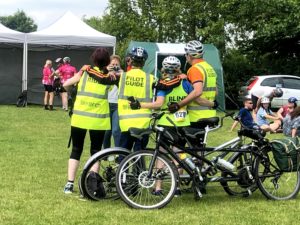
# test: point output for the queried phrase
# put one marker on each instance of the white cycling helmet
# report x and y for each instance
(171, 63)
(194, 48)
(170, 67)
(66, 59)
(265, 100)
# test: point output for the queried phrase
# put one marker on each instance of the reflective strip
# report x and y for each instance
(197, 107)
(85, 77)
(134, 116)
(148, 86)
(205, 88)
(82, 91)
(93, 115)
(122, 87)
(89, 94)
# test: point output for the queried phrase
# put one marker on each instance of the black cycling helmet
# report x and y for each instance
(292, 100)
(278, 92)
(139, 54)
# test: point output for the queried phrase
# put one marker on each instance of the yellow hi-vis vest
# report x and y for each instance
(91, 108)
(138, 84)
(180, 118)
(195, 110)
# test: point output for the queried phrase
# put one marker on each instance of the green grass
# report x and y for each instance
(33, 165)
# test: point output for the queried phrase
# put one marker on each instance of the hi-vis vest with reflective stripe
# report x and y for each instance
(176, 95)
(195, 110)
(138, 84)
(91, 108)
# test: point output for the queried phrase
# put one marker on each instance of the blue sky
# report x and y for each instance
(45, 12)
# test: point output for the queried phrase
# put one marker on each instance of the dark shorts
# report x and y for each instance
(62, 89)
(48, 88)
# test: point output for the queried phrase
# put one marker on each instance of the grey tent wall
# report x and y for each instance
(37, 56)
(11, 64)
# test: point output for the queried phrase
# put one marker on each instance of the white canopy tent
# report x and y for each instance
(12, 44)
(68, 36)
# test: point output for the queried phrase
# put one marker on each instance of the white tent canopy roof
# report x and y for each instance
(171, 48)
(10, 36)
(70, 30)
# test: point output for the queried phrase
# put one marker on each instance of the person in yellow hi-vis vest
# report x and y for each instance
(204, 80)
(90, 112)
(170, 71)
(139, 84)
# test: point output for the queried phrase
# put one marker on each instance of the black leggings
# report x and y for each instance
(78, 136)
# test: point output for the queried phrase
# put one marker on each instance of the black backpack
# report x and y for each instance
(57, 86)
(95, 185)
(22, 99)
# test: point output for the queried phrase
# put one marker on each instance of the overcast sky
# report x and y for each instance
(45, 12)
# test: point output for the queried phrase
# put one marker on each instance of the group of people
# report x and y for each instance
(109, 98)
(53, 80)
(286, 119)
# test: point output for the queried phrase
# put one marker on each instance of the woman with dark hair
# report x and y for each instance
(91, 111)
(291, 123)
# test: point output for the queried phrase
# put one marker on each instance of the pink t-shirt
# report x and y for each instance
(46, 75)
(285, 110)
(66, 72)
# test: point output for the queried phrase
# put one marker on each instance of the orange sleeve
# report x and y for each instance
(195, 75)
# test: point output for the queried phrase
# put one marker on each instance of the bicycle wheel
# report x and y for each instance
(272, 182)
(245, 184)
(136, 188)
(104, 163)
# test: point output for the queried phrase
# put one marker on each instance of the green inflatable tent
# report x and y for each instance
(158, 51)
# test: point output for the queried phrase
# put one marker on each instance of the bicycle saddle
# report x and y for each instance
(193, 133)
(138, 132)
(211, 122)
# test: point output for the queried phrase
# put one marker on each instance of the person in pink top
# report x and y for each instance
(48, 73)
(66, 71)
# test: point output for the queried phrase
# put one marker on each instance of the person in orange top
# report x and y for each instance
(194, 56)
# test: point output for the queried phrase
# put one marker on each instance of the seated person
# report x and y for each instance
(245, 115)
(288, 108)
(291, 123)
(264, 113)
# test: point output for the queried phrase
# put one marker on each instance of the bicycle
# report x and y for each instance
(255, 167)
(105, 163)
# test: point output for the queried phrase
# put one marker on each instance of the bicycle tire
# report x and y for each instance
(108, 161)
(136, 189)
(245, 185)
(273, 183)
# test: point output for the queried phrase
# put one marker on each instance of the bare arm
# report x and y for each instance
(197, 92)
(294, 132)
(271, 117)
(204, 102)
(75, 79)
(279, 113)
(154, 105)
(235, 123)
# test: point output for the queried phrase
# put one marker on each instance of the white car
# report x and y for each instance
(289, 84)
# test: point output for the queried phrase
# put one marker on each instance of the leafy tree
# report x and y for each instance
(161, 21)
(19, 21)
(263, 35)
(267, 31)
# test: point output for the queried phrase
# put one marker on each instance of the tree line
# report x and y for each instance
(254, 37)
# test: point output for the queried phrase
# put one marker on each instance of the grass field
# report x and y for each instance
(33, 165)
